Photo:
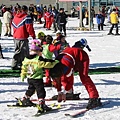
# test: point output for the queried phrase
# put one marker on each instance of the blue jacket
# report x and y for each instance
(99, 18)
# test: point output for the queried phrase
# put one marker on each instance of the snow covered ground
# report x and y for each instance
(105, 53)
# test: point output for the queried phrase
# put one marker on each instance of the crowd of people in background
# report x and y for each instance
(50, 14)
(58, 18)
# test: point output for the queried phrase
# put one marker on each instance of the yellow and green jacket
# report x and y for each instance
(32, 66)
(114, 18)
(46, 53)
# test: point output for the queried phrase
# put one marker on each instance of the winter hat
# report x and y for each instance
(81, 44)
(40, 34)
(35, 45)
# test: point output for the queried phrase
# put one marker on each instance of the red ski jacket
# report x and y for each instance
(22, 26)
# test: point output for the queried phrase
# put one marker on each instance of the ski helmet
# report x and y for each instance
(40, 34)
(83, 42)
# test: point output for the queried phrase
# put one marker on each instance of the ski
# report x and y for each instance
(54, 98)
(50, 99)
(69, 96)
(19, 104)
(16, 105)
(83, 111)
(34, 105)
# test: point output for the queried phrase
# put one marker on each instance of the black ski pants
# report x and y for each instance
(38, 86)
(111, 29)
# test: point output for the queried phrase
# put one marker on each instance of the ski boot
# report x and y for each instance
(42, 107)
(25, 102)
(94, 102)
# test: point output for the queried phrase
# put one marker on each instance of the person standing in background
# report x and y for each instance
(92, 16)
(86, 16)
(114, 21)
(61, 20)
(78, 10)
(54, 12)
(31, 11)
(47, 17)
(100, 20)
(1, 55)
(35, 14)
(7, 16)
(22, 28)
(103, 14)
(72, 12)
(0, 28)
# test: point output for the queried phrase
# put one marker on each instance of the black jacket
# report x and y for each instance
(61, 18)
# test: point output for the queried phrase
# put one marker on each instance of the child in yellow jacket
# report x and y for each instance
(32, 69)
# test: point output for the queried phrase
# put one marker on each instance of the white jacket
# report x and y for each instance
(7, 17)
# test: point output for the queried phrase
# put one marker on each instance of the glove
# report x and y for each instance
(61, 96)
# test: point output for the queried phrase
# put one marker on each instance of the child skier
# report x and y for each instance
(48, 50)
(100, 20)
(58, 34)
(63, 44)
(32, 69)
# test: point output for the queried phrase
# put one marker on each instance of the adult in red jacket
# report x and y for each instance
(74, 59)
(22, 29)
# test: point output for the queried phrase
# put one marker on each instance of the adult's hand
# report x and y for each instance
(61, 97)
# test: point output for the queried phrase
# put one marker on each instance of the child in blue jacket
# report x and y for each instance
(100, 20)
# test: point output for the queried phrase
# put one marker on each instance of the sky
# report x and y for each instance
(105, 53)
